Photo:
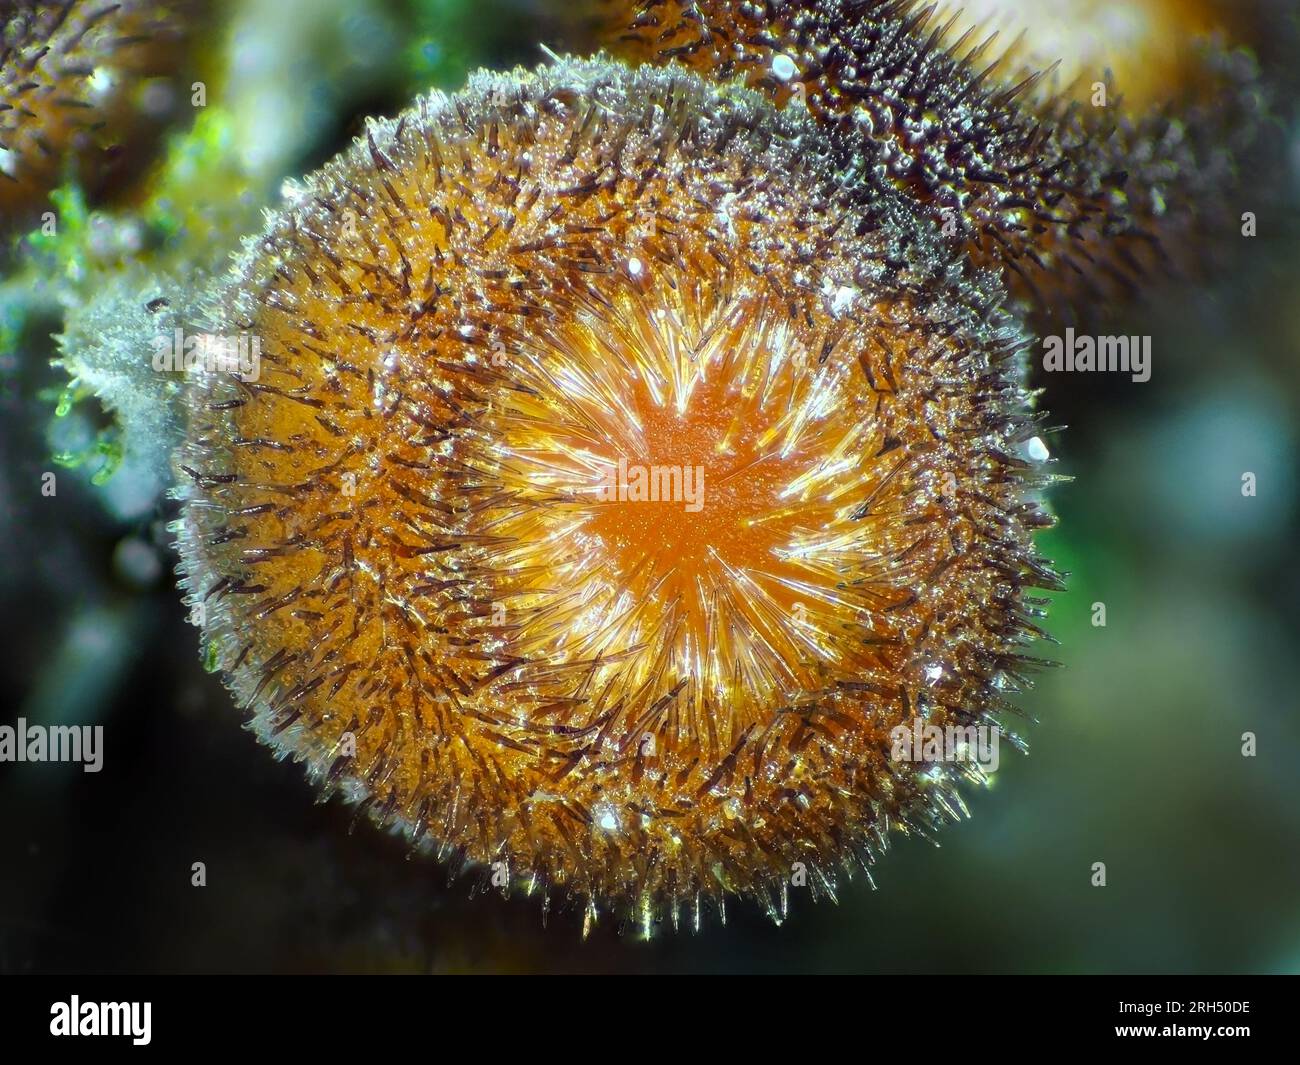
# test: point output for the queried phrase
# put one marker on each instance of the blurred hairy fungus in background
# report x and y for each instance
(608, 485)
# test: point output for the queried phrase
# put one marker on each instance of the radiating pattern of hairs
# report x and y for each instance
(395, 536)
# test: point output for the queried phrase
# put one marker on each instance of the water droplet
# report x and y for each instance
(606, 817)
(100, 81)
(783, 67)
(1036, 450)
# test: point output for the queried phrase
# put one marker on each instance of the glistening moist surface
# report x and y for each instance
(417, 530)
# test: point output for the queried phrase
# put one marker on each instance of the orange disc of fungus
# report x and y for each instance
(610, 488)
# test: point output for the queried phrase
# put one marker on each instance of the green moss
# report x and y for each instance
(13, 317)
(107, 447)
(61, 253)
(200, 192)
(70, 397)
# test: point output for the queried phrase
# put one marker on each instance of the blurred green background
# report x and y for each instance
(1136, 759)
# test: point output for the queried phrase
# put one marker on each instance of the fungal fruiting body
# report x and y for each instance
(81, 83)
(612, 486)
(1067, 199)
(1146, 46)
